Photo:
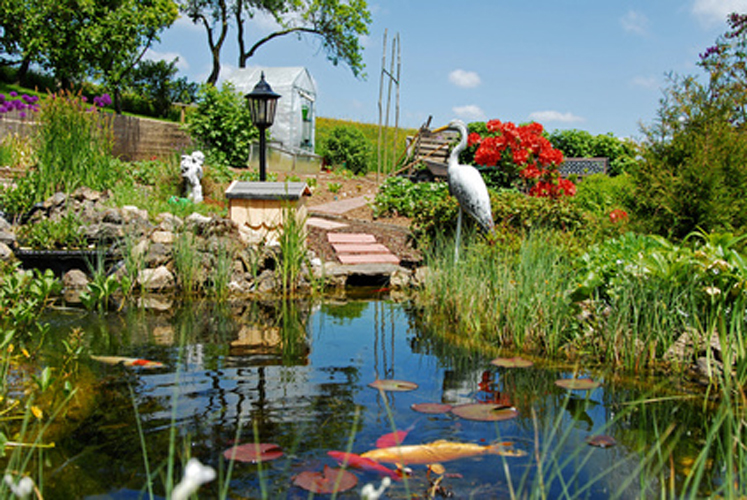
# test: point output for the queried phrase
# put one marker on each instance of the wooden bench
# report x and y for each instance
(582, 167)
(431, 150)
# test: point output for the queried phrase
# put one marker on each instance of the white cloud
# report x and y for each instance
(469, 112)
(711, 12)
(154, 55)
(554, 116)
(635, 22)
(464, 79)
(647, 82)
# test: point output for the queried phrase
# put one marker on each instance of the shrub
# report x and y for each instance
(222, 127)
(346, 147)
(400, 196)
(581, 144)
(600, 194)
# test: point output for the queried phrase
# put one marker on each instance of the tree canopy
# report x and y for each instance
(338, 24)
(74, 39)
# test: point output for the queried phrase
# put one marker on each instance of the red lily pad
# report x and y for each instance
(485, 412)
(393, 385)
(253, 452)
(328, 481)
(602, 441)
(432, 408)
(577, 384)
(512, 362)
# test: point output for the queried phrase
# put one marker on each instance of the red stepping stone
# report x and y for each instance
(350, 238)
(369, 259)
(356, 248)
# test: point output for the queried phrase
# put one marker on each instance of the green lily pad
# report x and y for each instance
(485, 412)
(512, 362)
(602, 441)
(326, 482)
(253, 452)
(393, 385)
(432, 408)
(577, 384)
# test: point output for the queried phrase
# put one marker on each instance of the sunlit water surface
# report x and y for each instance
(297, 375)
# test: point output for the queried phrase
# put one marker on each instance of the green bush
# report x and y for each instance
(222, 127)
(346, 147)
(599, 194)
(581, 144)
(401, 196)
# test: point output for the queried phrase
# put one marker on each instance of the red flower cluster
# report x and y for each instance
(618, 215)
(529, 151)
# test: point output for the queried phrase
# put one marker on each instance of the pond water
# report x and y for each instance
(297, 374)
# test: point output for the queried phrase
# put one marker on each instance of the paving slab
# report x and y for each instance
(369, 259)
(324, 223)
(341, 248)
(350, 238)
(341, 206)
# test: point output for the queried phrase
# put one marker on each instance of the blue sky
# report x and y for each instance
(595, 65)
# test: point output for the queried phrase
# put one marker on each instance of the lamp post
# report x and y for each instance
(262, 104)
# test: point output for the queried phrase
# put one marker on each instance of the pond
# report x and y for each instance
(296, 374)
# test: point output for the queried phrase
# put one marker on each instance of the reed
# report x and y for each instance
(187, 262)
(222, 269)
(293, 254)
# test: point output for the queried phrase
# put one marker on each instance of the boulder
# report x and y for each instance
(75, 279)
(158, 279)
(6, 253)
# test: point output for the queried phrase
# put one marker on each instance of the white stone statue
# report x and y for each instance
(191, 169)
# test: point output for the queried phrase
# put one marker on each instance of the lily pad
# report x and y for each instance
(328, 481)
(253, 452)
(393, 385)
(431, 408)
(602, 441)
(512, 362)
(485, 412)
(577, 384)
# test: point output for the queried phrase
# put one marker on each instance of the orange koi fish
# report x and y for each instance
(438, 451)
(125, 361)
(368, 464)
(394, 438)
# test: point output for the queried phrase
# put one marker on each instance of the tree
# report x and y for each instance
(74, 39)
(337, 23)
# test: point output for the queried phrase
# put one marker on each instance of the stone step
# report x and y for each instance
(350, 238)
(349, 248)
(324, 223)
(341, 206)
(387, 258)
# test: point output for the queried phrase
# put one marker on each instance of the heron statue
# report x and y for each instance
(467, 186)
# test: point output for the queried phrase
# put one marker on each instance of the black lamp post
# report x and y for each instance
(262, 104)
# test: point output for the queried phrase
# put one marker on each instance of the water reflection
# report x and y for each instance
(296, 374)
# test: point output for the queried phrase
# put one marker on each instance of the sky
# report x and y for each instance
(594, 65)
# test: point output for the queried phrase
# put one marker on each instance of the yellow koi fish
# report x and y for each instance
(124, 361)
(438, 451)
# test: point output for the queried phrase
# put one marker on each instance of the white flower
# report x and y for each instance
(370, 493)
(195, 475)
(23, 488)
(712, 291)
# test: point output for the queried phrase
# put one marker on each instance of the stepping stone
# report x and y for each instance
(350, 238)
(358, 248)
(369, 259)
(341, 206)
(324, 223)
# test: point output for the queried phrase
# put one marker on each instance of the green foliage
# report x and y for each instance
(694, 180)
(47, 233)
(292, 255)
(221, 270)
(17, 200)
(222, 127)
(392, 140)
(23, 296)
(599, 194)
(581, 144)
(74, 146)
(187, 264)
(152, 89)
(346, 147)
(400, 196)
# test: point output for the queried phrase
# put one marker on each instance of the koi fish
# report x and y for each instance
(125, 361)
(393, 438)
(438, 451)
(368, 464)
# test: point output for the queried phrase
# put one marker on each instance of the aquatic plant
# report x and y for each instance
(187, 263)
(293, 254)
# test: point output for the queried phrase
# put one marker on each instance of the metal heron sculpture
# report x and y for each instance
(467, 186)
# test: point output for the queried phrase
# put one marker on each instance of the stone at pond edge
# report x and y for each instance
(75, 279)
(5, 252)
(160, 279)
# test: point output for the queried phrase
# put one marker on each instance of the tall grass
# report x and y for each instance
(74, 148)
(222, 269)
(513, 299)
(292, 256)
(187, 262)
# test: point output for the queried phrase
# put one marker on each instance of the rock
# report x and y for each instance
(266, 282)
(158, 255)
(4, 224)
(155, 304)
(56, 200)
(400, 279)
(420, 277)
(133, 214)
(163, 237)
(169, 222)
(198, 220)
(7, 237)
(250, 237)
(6, 253)
(112, 216)
(158, 279)
(75, 279)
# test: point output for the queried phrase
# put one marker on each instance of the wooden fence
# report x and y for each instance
(134, 138)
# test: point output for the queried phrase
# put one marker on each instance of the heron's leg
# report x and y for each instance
(458, 235)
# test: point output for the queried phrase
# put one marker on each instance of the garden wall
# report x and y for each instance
(134, 138)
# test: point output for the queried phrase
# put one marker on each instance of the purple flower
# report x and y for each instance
(22, 114)
(13, 93)
(2, 97)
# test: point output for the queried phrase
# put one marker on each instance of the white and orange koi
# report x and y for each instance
(125, 361)
(439, 451)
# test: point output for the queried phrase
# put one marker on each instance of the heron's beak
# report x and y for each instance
(439, 129)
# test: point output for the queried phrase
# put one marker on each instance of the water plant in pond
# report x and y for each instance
(292, 256)
(187, 264)
(253, 452)
(327, 481)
